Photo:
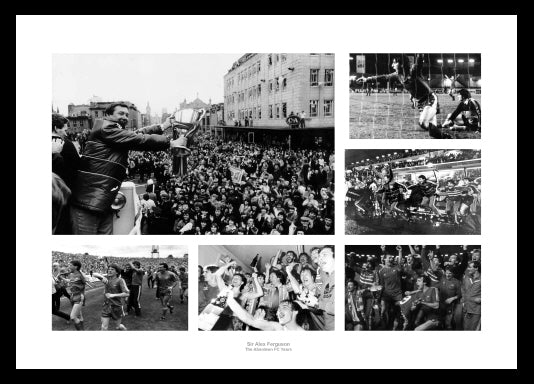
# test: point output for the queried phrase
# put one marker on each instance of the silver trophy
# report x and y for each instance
(185, 123)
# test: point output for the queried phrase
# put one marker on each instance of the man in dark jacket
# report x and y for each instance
(103, 167)
(64, 164)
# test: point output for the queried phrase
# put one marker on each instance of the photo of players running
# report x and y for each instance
(135, 288)
(258, 159)
(412, 287)
(266, 288)
(413, 191)
(415, 95)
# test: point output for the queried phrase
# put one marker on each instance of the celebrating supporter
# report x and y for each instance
(238, 188)
(408, 192)
(278, 295)
(412, 291)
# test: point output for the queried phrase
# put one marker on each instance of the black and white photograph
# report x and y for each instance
(413, 287)
(413, 191)
(415, 95)
(266, 288)
(120, 288)
(193, 144)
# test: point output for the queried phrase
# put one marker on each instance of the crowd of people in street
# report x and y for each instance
(237, 188)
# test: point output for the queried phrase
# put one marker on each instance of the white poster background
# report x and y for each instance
(495, 346)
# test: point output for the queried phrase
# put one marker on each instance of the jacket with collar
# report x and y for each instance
(104, 162)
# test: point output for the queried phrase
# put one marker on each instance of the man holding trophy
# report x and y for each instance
(104, 163)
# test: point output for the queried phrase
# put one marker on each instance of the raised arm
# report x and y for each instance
(292, 280)
(424, 257)
(115, 136)
(258, 291)
(219, 275)
(399, 256)
(267, 272)
(377, 77)
(248, 319)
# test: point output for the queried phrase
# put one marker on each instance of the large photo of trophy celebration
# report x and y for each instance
(256, 158)
(413, 287)
(135, 288)
(413, 191)
(266, 288)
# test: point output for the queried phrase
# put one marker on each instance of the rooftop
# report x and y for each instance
(242, 60)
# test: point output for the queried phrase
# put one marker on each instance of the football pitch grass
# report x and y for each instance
(385, 116)
(148, 321)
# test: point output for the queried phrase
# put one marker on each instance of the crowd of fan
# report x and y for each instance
(422, 290)
(295, 292)
(434, 157)
(79, 137)
(237, 188)
(98, 264)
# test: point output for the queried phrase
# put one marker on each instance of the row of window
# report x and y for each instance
(279, 111)
(280, 83)
(244, 74)
(272, 58)
(328, 78)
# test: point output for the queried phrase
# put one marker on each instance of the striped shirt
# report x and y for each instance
(366, 279)
(435, 276)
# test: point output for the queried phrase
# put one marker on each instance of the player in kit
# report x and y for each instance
(390, 279)
(467, 115)
(411, 78)
(166, 281)
(76, 288)
(115, 290)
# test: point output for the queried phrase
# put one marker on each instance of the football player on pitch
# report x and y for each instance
(115, 290)
(411, 78)
(466, 116)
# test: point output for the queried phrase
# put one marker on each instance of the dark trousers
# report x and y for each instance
(56, 302)
(85, 222)
(133, 299)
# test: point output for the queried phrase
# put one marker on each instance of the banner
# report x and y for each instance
(237, 174)
(360, 64)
